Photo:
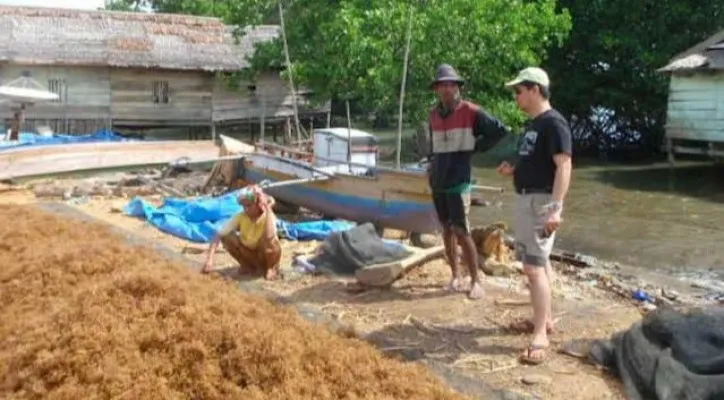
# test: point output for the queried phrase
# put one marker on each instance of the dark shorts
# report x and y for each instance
(452, 210)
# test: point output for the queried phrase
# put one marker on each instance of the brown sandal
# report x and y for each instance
(527, 359)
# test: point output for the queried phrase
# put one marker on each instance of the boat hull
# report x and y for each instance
(397, 200)
(58, 159)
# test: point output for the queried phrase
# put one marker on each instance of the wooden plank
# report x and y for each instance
(710, 94)
(52, 111)
(150, 113)
(686, 114)
(383, 275)
(695, 133)
(159, 122)
(695, 82)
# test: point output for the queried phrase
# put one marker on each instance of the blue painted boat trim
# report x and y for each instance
(390, 207)
(397, 214)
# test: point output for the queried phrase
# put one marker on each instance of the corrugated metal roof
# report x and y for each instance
(47, 36)
(706, 55)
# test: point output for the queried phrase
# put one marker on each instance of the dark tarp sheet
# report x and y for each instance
(669, 355)
(344, 252)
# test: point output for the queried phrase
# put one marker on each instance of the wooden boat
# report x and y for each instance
(61, 158)
(389, 198)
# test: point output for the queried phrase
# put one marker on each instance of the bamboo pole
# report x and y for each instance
(289, 71)
(262, 120)
(349, 136)
(402, 88)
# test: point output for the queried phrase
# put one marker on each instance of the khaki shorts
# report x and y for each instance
(529, 224)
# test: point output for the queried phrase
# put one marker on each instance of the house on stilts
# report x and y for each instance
(143, 72)
(695, 111)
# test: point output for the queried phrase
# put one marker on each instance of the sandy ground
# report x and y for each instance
(419, 318)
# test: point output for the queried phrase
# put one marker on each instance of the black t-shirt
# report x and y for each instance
(546, 135)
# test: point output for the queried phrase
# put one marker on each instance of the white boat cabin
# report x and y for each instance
(331, 150)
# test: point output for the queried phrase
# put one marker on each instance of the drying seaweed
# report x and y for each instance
(86, 316)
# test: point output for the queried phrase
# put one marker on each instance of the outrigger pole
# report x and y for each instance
(289, 72)
(402, 87)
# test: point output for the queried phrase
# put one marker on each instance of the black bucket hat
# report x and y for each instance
(446, 73)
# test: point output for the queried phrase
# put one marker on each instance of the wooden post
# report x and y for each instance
(250, 130)
(262, 122)
(289, 70)
(670, 151)
(288, 131)
(329, 119)
(213, 131)
(349, 136)
(402, 88)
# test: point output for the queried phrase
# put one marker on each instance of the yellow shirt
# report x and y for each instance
(250, 232)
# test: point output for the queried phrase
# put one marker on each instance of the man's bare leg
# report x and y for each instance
(540, 296)
(525, 324)
(550, 275)
(450, 242)
(471, 259)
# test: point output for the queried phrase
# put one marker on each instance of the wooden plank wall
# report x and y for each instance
(189, 103)
(271, 92)
(99, 97)
(696, 107)
(84, 108)
(231, 104)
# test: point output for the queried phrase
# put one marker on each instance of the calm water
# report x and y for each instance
(651, 216)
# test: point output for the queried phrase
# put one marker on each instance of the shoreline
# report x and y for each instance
(627, 277)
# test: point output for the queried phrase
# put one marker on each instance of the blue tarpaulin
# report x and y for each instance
(32, 139)
(199, 219)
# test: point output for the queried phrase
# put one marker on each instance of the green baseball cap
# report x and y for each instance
(531, 74)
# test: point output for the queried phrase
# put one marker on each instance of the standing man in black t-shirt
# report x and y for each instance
(541, 178)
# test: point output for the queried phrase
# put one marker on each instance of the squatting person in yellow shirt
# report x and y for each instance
(251, 236)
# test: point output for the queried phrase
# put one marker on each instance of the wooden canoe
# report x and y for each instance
(389, 198)
(57, 159)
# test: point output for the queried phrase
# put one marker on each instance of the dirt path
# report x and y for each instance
(418, 320)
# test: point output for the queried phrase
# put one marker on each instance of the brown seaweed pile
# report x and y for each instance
(86, 316)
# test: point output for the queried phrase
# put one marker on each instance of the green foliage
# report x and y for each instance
(354, 49)
(123, 5)
(242, 12)
(611, 57)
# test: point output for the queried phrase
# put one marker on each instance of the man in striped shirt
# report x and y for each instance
(458, 128)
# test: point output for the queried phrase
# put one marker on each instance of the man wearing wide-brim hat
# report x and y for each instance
(458, 128)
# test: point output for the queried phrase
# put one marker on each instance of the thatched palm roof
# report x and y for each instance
(46, 36)
(706, 55)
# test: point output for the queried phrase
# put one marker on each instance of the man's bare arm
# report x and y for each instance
(562, 179)
(225, 230)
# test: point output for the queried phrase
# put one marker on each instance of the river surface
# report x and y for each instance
(652, 217)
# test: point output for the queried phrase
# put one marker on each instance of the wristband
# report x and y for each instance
(554, 206)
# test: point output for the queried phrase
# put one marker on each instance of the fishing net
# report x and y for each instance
(345, 252)
(668, 355)
(85, 316)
